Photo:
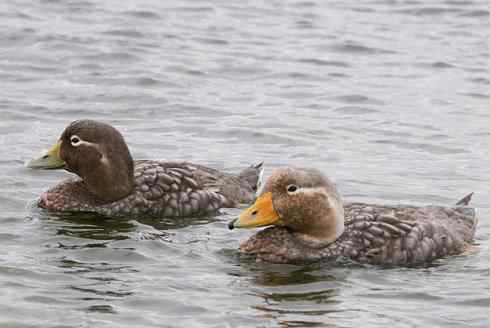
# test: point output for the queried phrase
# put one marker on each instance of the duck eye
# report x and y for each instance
(75, 141)
(292, 188)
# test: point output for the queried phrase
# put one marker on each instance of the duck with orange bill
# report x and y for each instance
(307, 222)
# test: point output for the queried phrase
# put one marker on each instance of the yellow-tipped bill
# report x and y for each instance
(49, 160)
(261, 213)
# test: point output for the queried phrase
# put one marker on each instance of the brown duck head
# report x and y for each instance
(97, 153)
(303, 201)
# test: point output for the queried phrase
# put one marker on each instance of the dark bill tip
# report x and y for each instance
(231, 225)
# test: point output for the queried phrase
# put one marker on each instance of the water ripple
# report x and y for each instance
(355, 48)
(389, 98)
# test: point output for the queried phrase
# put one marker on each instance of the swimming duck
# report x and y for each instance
(310, 223)
(114, 185)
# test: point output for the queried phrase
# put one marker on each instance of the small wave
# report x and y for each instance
(125, 33)
(441, 65)
(118, 56)
(437, 65)
(358, 99)
(476, 95)
(476, 13)
(101, 309)
(199, 10)
(429, 11)
(263, 137)
(104, 293)
(355, 110)
(428, 148)
(356, 48)
(143, 14)
(321, 62)
(212, 41)
(480, 80)
(305, 4)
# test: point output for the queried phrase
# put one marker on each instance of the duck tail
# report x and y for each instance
(253, 175)
(465, 200)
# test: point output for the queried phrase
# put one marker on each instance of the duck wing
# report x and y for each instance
(407, 235)
(161, 189)
(234, 188)
(179, 189)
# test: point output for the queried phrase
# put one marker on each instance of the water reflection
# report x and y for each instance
(96, 227)
(270, 275)
(90, 226)
(176, 223)
(292, 294)
(77, 267)
(105, 255)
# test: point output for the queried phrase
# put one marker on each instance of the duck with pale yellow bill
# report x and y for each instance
(308, 222)
(113, 185)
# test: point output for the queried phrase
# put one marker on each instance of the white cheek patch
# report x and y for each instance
(309, 191)
(86, 143)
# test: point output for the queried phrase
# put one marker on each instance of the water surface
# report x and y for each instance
(388, 98)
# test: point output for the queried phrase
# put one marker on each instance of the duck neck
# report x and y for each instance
(325, 229)
(112, 178)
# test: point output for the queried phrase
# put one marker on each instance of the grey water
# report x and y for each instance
(390, 99)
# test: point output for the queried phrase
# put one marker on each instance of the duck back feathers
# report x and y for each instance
(406, 235)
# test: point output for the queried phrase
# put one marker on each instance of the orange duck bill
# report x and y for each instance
(260, 214)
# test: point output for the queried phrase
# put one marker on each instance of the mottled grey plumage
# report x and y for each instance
(161, 189)
(373, 234)
(144, 187)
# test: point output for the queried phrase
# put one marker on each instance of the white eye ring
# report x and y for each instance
(292, 188)
(75, 140)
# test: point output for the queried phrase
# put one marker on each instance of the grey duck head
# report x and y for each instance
(97, 153)
(301, 200)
